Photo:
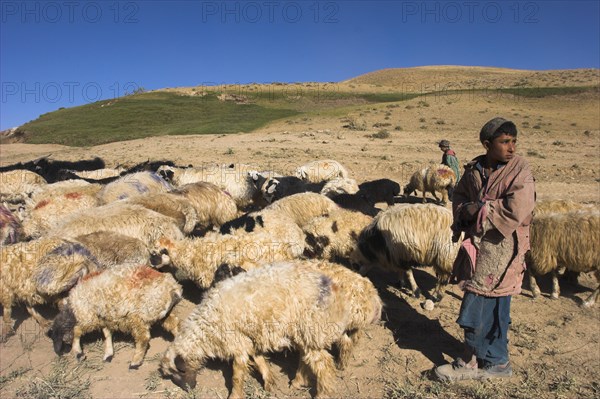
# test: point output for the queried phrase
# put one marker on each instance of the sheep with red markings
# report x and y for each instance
(270, 308)
(130, 299)
(431, 179)
(48, 208)
(568, 240)
(405, 236)
(34, 272)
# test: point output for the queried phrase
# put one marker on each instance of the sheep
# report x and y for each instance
(270, 308)
(569, 240)
(213, 206)
(11, 230)
(199, 259)
(322, 170)
(168, 204)
(432, 178)
(339, 185)
(51, 170)
(234, 179)
(111, 249)
(17, 185)
(554, 206)
(300, 208)
(364, 302)
(129, 299)
(381, 190)
(48, 208)
(304, 207)
(405, 236)
(133, 185)
(100, 174)
(334, 237)
(275, 188)
(119, 217)
(33, 272)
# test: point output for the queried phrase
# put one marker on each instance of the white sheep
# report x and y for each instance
(199, 259)
(431, 179)
(17, 185)
(35, 271)
(133, 185)
(235, 179)
(558, 206)
(270, 308)
(213, 206)
(119, 217)
(335, 236)
(304, 207)
(339, 185)
(405, 236)
(172, 205)
(568, 240)
(129, 299)
(99, 174)
(321, 170)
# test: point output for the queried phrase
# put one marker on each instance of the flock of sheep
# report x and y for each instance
(276, 256)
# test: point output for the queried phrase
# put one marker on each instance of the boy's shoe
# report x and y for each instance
(458, 370)
(497, 371)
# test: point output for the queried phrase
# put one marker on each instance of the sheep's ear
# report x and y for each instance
(303, 174)
(180, 364)
(272, 186)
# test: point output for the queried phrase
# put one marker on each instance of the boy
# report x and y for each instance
(493, 204)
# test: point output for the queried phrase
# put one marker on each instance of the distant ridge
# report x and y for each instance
(478, 77)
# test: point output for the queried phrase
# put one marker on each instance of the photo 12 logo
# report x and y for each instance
(470, 11)
(270, 11)
(64, 92)
(71, 12)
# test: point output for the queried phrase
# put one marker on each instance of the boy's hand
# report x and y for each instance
(469, 211)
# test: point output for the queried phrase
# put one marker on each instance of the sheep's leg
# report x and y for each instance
(38, 317)
(555, 286)
(141, 335)
(76, 347)
(171, 324)
(302, 377)
(321, 364)
(364, 269)
(240, 371)
(265, 372)
(416, 291)
(108, 345)
(535, 289)
(435, 196)
(7, 324)
(442, 282)
(444, 196)
(591, 300)
(346, 345)
(424, 193)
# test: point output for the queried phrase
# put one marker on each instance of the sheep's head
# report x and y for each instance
(301, 173)
(62, 330)
(159, 258)
(166, 172)
(269, 189)
(174, 367)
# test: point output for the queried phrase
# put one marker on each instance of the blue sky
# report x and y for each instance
(67, 53)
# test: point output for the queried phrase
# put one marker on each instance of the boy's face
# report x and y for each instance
(502, 148)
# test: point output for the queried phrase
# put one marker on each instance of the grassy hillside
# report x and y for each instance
(196, 110)
(144, 115)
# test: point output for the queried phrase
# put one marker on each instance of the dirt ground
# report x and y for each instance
(554, 344)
